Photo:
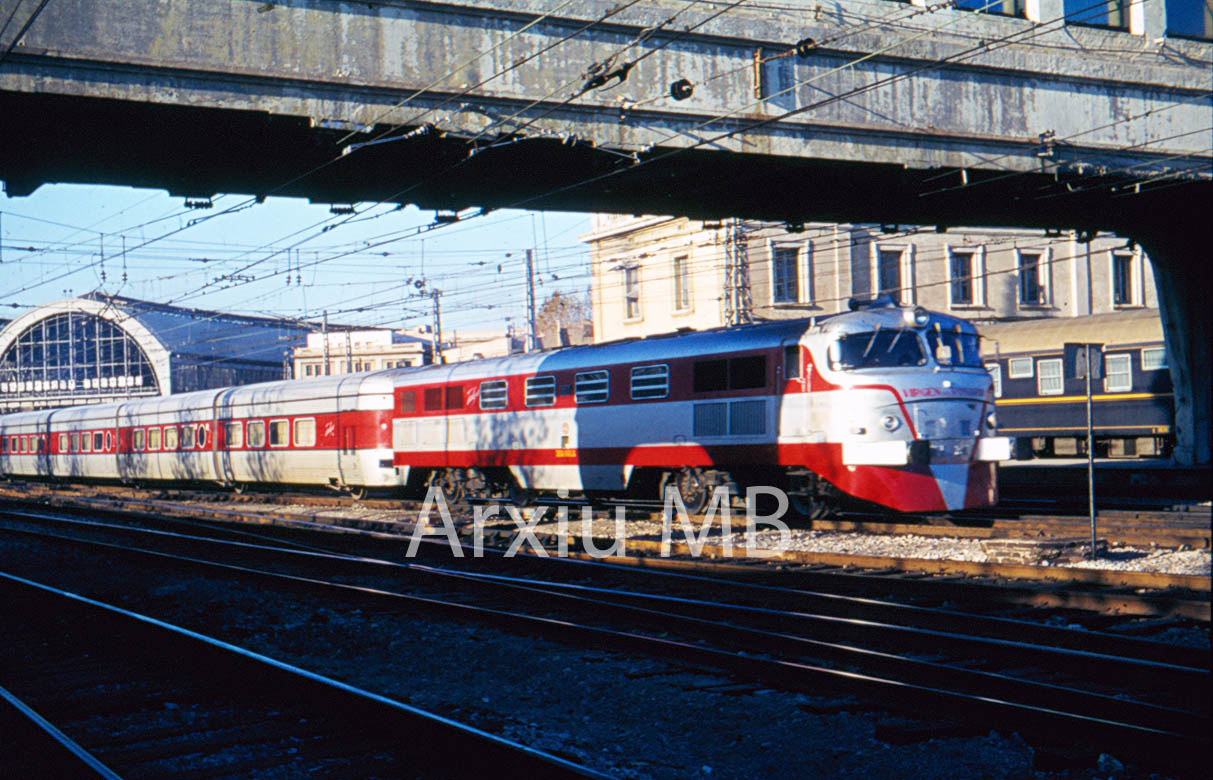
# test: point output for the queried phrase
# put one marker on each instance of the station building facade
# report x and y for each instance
(100, 348)
(655, 274)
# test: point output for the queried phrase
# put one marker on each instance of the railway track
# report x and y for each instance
(1187, 528)
(1144, 698)
(142, 697)
(1105, 591)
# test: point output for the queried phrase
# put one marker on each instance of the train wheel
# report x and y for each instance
(358, 492)
(239, 488)
(692, 488)
(811, 507)
(451, 485)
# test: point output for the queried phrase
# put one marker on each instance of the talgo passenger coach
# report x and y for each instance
(885, 404)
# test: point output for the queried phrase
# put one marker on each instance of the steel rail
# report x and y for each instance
(441, 733)
(40, 746)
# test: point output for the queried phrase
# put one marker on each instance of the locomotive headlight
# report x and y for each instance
(891, 422)
(992, 421)
(921, 317)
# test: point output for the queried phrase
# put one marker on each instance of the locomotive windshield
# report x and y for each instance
(954, 349)
(878, 349)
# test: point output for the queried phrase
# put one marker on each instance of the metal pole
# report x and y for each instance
(532, 338)
(325, 332)
(440, 358)
(1090, 455)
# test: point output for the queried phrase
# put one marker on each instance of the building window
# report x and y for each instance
(1188, 19)
(888, 272)
(591, 387)
(785, 275)
(305, 432)
(279, 433)
(631, 292)
(1001, 7)
(1124, 279)
(1019, 368)
(1031, 281)
(1118, 376)
(1110, 13)
(963, 276)
(1153, 359)
(682, 283)
(256, 434)
(170, 437)
(494, 394)
(307, 369)
(1049, 377)
(996, 375)
(541, 391)
(650, 381)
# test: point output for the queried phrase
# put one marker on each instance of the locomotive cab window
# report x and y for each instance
(592, 387)
(541, 391)
(187, 437)
(279, 433)
(256, 434)
(650, 382)
(234, 435)
(153, 438)
(305, 432)
(494, 394)
(877, 349)
(791, 361)
(954, 349)
(170, 437)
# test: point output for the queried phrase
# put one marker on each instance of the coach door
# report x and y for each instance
(349, 467)
(221, 415)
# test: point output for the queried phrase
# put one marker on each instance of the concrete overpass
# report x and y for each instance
(864, 111)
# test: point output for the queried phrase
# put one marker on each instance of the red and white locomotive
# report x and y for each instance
(886, 404)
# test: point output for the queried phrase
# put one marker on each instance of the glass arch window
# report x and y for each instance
(73, 355)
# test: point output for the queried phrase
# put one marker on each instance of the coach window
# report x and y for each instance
(433, 399)
(101, 442)
(650, 382)
(63, 443)
(305, 432)
(256, 434)
(408, 402)
(170, 437)
(3, 444)
(454, 397)
(187, 437)
(153, 438)
(76, 441)
(1019, 368)
(541, 391)
(592, 387)
(996, 375)
(1049, 377)
(202, 429)
(234, 434)
(138, 445)
(1153, 359)
(279, 433)
(86, 442)
(494, 394)
(1119, 374)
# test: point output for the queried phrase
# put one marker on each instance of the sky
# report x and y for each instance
(285, 257)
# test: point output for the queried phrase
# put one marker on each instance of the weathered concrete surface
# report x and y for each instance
(899, 113)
